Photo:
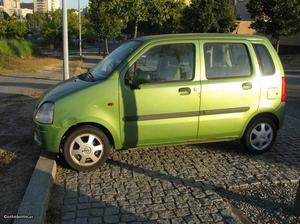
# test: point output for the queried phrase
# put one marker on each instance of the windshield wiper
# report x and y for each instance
(87, 76)
(90, 75)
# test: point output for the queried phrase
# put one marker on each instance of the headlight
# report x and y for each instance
(45, 113)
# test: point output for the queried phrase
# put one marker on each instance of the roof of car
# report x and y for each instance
(201, 35)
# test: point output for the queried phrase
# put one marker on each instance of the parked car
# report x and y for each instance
(167, 89)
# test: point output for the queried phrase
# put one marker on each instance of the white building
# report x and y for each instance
(45, 5)
(13, 7)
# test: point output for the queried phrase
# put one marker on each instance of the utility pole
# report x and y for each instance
(65, 39)
(79, 18)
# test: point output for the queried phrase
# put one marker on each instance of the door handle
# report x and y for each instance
(247, 85)
(184, 91)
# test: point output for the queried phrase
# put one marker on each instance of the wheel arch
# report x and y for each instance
(263, 114)
(76, 126)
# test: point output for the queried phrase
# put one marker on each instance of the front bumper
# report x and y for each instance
(48, 136)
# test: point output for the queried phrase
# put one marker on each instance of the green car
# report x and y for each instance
(167, 89)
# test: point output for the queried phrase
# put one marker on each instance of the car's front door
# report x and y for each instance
(159, 95)
(230, 89)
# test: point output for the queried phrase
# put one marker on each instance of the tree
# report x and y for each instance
(224, 11)
(275, 17)
(137, 12)
(175, 11)
(165, 17)
(107, 18)
(209, 16)
(48, 26)
(88, 33)
(15, 29)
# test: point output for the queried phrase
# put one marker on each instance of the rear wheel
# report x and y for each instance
(260, 135)
(86, 148)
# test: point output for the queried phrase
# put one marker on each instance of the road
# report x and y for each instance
(293, 95)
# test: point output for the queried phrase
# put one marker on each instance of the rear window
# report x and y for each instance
(264, 58)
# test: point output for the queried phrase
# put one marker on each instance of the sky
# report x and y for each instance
(71, 3)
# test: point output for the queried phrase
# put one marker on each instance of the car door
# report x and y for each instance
(230, 88)
(159, 96)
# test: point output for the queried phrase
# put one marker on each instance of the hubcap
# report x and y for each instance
(86, 149)
(261, 136)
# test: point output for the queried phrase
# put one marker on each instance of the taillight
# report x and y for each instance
(283, 89)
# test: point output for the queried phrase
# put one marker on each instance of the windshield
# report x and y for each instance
(109, 63)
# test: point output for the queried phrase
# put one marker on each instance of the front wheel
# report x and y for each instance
(86, 148)
(260, 135)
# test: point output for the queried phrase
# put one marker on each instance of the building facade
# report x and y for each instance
(13, 7)
(45, 5)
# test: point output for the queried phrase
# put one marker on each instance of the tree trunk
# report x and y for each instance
(135, 29)
(297, 201)
(99, 45)
(106, 46)
(277, 45)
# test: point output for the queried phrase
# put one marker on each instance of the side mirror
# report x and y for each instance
(130, 79)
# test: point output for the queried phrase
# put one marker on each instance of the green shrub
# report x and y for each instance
(17, 48)
(5, 49)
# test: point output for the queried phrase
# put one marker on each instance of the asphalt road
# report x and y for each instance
(293, 95)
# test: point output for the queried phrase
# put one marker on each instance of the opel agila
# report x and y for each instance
(166, 89)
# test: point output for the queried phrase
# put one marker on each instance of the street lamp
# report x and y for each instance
(79, 18)
(65, 39)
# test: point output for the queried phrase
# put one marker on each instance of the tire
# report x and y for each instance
(260, 135)
(86, 148)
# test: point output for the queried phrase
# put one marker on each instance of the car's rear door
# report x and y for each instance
(230, 88)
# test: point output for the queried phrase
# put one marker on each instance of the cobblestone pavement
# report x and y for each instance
(267, 203)
(175, 184)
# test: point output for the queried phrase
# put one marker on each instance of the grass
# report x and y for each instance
(21, 56)
(13, 65)
(17, 48)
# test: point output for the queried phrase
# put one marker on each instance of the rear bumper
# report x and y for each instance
(280, 112)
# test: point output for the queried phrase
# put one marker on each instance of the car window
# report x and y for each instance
(266, 63)
(226, 60)
(165, 63)
(104, 68)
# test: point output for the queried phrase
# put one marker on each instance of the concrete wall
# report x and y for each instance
(243, 27)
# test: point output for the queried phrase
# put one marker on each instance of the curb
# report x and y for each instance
(36, 198)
